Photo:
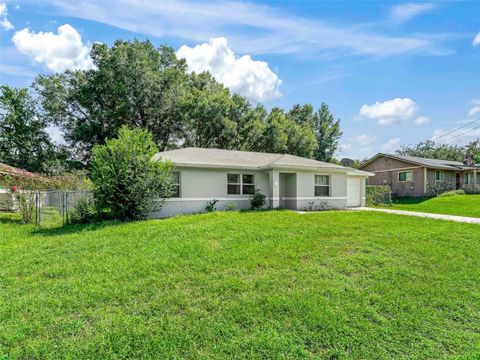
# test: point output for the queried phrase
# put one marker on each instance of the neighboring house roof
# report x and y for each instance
(13, 171)
(430, 163)
(217, 158)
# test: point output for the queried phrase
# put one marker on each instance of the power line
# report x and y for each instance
(450, 132)
(462, 133)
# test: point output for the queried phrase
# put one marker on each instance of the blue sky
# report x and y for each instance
(393, 72)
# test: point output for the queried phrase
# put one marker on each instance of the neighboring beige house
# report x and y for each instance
(412, 176)
(287, 181)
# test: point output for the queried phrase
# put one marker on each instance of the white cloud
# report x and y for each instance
(275, 31)
(6, 25)
(250, 78)
(407, 11)
(58, 52)
(475, 109)
(389, 112)
(365, 139)
(422, 120)
(391, 145)
(476, 40)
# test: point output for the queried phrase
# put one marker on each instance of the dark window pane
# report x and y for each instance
(248, 189)
(402, 176)
(322, 191)
(233, 178)
(233, 189)
(176, 191)
(247, 179)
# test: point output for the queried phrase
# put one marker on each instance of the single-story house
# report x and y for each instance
(287, 181)
(413, 176)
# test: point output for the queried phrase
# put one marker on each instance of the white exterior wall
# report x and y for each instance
(306, 191)
(200, 185)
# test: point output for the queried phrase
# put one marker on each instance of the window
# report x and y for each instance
(405, 176)
(439, 175)
(240, 184)
(322, 185)
(176, 181)
(233, 184)
(248, 184)
(468, 179)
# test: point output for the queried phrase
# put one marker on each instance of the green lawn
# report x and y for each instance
(461, 205)
(242, 285)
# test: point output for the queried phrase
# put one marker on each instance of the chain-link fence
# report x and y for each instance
(53, 208)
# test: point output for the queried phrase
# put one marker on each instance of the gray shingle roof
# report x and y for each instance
(430, 163)
(243, 159)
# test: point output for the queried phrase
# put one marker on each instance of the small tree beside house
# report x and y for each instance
(126, 181)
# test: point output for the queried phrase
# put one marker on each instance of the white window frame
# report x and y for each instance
(329, 186)
(179, 184)
(240, 183)
(406, 172)
(437, 177)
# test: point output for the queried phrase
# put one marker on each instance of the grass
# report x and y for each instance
(242, 285)
(461, 205)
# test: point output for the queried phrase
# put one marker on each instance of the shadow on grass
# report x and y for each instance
(410, 200)
(75, 229)
(9, 218)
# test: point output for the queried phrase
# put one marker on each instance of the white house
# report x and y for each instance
(287, 181)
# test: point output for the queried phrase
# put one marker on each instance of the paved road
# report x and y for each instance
(462, 219)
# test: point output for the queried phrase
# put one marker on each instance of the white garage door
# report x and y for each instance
(353, 191)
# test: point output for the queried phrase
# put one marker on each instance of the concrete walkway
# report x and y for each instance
(462, 219)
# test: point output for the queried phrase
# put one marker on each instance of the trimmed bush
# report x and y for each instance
(471, 189)
(452, 193)
(435, 188)
(379, 195)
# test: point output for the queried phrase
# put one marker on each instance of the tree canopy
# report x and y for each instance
(24, 143)
(135, 84)
(431, 149)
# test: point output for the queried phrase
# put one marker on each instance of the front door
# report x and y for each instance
(457, 181)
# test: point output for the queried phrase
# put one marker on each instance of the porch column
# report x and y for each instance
(274, 187)
(475, 176)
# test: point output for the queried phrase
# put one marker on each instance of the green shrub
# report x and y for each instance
(257, 201)
(435, 188)
(452, 193)
(471, 188)
(126, 181)
(25, 203)
(378, 195)
(84, 212)
(230, 207)
(211, 205)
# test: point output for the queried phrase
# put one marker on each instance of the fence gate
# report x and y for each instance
(53, 208)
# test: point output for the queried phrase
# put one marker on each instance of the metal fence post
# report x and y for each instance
(66, 207)
(37, 208)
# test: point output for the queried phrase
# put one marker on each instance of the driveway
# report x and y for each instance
(462, 219)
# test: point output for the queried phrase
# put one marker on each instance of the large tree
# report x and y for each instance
(24, 143)
(327, 132)
(133, 84)
(431, 149)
